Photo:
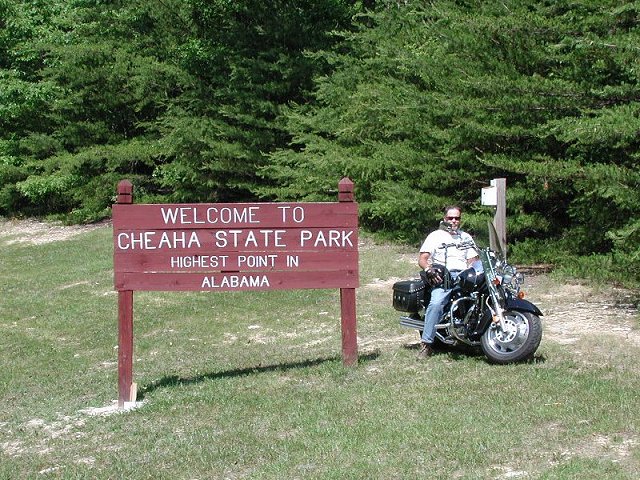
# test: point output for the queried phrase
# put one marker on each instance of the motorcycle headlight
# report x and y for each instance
(508, 274)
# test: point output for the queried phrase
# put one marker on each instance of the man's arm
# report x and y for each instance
(474, 258)
(424, 261)
(471, 260)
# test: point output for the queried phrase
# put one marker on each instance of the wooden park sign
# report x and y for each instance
(232, 247)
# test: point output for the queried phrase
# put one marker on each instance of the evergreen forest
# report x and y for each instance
(421, 103)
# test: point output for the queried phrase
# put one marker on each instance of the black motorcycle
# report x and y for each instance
(486, 309)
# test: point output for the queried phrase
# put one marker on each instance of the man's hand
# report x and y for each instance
(434, 276)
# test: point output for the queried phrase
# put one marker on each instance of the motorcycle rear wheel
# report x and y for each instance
(519, 342)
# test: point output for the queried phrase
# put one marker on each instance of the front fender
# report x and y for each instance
(521, 305)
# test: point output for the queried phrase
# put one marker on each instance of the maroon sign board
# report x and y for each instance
(233, 247)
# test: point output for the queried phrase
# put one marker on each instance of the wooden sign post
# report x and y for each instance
(231, 247)
(496, 196)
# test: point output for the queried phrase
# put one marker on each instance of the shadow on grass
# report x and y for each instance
(461, 352)
(456, 352)
(173, 380)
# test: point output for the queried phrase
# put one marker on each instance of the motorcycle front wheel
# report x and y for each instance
(517, 342)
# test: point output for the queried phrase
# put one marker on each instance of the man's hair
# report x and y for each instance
(451, 207)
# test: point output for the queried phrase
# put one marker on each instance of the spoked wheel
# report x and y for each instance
(519, 340)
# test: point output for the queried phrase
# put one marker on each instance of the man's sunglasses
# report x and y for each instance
(452, 218)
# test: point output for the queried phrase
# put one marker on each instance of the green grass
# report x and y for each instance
(251, 385)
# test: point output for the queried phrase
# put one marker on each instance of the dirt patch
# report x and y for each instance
(35, 232)
(572, 311)
(383, 284)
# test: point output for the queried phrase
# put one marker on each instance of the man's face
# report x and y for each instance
(452, 217)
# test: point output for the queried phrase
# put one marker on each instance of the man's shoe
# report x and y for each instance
(426, 350)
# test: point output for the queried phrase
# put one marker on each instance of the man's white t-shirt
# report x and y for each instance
(444, 248)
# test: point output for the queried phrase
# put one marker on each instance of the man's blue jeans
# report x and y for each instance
(439, 298)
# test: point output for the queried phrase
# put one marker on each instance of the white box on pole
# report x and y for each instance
(489, 196)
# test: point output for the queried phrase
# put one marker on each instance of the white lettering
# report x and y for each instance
(329, 238)
(304, 236)
(136, 241)
(149, 241)
(221, 238)
(254, 238)
(297, 213)
(213, 215)
(257, 261)
(176, 239)
(235, 281)
(199, 261)
(251, 239)
(278, 238)
(170, 215)
(346, 238)
(293, 261)
(320, 239)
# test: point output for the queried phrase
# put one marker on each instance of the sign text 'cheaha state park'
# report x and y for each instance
(235, 246)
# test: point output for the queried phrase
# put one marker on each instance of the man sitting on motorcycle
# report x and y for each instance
(447, 247)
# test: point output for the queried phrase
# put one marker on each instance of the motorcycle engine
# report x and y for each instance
(461, 310)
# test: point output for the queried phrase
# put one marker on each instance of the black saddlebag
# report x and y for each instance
(408, 295)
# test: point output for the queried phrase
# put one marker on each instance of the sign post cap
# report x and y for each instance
(345, 190)
(125, 191)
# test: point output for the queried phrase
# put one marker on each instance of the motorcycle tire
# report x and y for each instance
(517, 344)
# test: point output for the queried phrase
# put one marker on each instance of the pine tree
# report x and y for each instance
(429, 101)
